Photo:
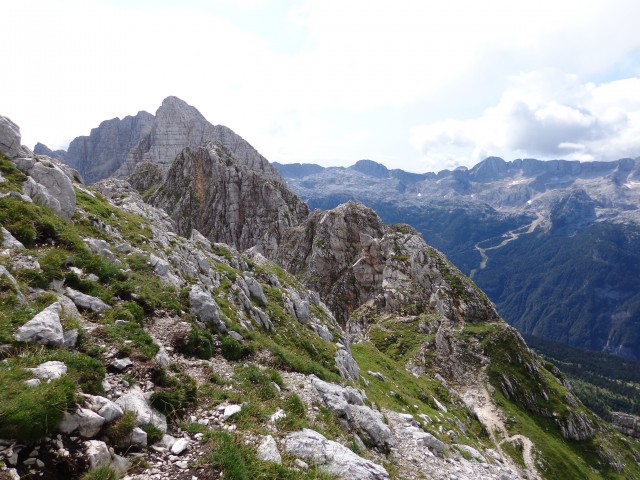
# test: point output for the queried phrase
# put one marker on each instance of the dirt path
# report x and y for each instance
(479, 400)
(508, 237)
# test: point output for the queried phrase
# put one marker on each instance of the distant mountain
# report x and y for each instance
(555, 244)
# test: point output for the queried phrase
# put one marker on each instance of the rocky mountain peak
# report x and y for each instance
(371, 168)
(228, 200)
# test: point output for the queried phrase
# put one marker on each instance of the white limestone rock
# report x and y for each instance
(9, 241)
(9, 137)
(87, 302)
(97, 453)
(44, 328)
(50, 370)
(204, 307)
(332, 457)
(268, 450)
(85, 421)
(135, 401)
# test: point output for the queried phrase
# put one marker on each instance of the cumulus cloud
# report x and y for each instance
(547, 114)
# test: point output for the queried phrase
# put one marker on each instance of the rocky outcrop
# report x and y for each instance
(332, 457)
(209, 190)
(104, 150)
(178, 125)
(9, 137)
(49, 183)
(45, 328)
(627, 424)
(350, 257)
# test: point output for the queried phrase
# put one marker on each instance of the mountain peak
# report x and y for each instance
(371, 168)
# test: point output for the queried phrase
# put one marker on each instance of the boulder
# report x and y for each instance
(179, 446)
(49, 185)
(9, 241)
(45, 328)
(230, 410)
(347, 365)
(85, 421)
(50, 370)
(97, 453)
(331, 457)
(9, 138)
(204, 307)
(372, 427)
(135, 402)
(104, 407)
(255, 290)
(5, 273)
(87, 302)
(268, 450)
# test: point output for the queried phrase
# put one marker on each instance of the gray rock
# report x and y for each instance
(5, 273)
(371, 426)
(86, 301)
(97, 453)
(268, 450)
(70, 338)
(201, 240)
(475, 454)
(138, 438)
(261, 318)
(122, 364)
(230, 410)
(33, 382)
(50, 370)
(9, 137)
(255, 291)
(204, 307)
(162, 268)
(45, 328)
(626, 423)
(428, 440)
(85, 421)
(135, 402)
(100, 247)
(347, 365)
(377, 375)
(332, 457)
(9, 241)
(162, 357)
(104, 407)
(235, 335)
(49, 185)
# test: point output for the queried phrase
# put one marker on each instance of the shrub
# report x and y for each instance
(232, 349)
(102, 473)
(154, 434)
(120, 430)
(199, 344)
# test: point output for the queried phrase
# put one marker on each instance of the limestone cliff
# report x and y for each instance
(228, 200)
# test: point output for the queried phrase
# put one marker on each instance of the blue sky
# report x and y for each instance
(412, 84)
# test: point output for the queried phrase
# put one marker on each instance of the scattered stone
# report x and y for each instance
(9, 241)
(122, 364)
(230, 410)
(45, 328)
(235, 335)
(268, 450)
(104, 407)
(86, 301)
(377, 375)
(475, 454)
(180, 446)
(50, 370)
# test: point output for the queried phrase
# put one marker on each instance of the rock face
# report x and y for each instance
(514, 227)
(178, 125)
(332, 457)
(103, 151)
(627, 424)
(118, 147)
(9, 137)
(351, 258)
(209, 190)
(49, 183)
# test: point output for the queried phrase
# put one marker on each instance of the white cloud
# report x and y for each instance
(547, 115)
(82, 61)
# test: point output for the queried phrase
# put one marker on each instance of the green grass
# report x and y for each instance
(130, 338)
(14, 178)
(29, 413)
(102, 473)
(238, 461)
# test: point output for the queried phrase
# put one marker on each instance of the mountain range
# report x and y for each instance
(555, 244)
(332, 345)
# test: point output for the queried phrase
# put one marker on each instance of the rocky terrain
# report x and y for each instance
(553, 243)
(339, 348)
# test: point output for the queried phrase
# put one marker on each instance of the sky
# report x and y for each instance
(413, 84)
